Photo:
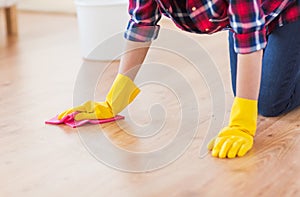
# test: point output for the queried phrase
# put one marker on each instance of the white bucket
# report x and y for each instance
(99, 20)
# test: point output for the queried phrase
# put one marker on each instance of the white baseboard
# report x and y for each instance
(59, 6)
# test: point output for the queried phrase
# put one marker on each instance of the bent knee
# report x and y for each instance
(272, 108)
(269, 111)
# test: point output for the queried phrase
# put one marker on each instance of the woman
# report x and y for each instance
(263, 41)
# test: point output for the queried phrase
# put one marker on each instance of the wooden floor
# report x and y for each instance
(38, 71)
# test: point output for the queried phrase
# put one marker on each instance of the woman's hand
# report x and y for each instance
(236, 139)
(230, 143)
(89, 110)
(122, 92)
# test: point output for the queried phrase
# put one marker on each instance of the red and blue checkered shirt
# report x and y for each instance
(250, 20)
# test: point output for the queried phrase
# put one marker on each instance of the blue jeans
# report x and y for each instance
(280, 82)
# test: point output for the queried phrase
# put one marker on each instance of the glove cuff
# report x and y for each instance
(244, 115)
(122, 93)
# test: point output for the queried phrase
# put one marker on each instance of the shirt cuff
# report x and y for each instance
(250, 42)
(141, 33)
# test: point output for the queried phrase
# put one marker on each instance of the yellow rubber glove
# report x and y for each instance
(121, 94)
(236, 139)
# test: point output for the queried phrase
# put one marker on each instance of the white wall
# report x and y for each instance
(61, 6)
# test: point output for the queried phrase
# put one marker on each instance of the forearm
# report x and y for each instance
(236, 139)
(133, 58)
(249, 75)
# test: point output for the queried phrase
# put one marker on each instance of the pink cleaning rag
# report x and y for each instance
(69, 120)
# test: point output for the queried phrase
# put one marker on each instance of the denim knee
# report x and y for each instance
(268, 110)
(272, 107)
(268, 104)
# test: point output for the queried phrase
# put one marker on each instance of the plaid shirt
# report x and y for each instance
(250, 20)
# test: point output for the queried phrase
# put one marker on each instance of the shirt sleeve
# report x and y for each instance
(142, 27)
(248, 23)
